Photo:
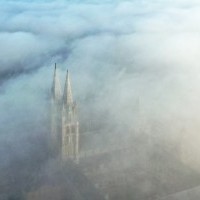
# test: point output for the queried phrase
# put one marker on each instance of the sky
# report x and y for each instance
(134, 66)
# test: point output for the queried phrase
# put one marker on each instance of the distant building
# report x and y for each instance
(64, 121)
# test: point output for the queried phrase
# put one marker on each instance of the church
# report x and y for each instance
(64, 120)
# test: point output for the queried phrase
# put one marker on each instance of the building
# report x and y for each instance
(64, 121)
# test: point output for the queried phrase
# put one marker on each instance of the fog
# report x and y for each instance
(135, 75)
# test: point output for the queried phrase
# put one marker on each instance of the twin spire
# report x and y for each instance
(56, 89)
(65, 125)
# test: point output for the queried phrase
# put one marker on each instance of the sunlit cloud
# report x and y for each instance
(137, 62)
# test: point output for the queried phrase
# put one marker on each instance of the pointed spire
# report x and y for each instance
(56, 88)
(67, 96)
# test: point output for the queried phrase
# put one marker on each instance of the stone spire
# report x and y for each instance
(67, 96)
(55, 113)
(56, 88)
(70, 124)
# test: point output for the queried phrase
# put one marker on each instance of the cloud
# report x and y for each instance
(134, 67)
